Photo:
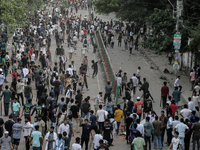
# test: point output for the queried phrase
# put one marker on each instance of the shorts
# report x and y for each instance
(16, 142)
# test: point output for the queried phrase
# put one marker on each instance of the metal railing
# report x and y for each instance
(108, 68)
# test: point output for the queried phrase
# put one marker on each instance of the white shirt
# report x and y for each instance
(131, 115)
(33, 57)
(43, 49)
(100, 115)
(71, 49)
(173, 124)
(27, 132)
(175, 142)
(18, 56)
(131, 33)
(169, 102)
(63, 128)
(140, 127)
(70, 71)
(185, 112)
(176, 83)
(76, 146)
(97, 138)
(195, 99)
(82, 33)
(73, 67)
(138, 72)
(197, 88)
(1, 79)
(191, 106)
(135, 81)
(181, 127)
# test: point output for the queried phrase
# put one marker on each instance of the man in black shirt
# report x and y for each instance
(9, 124)
(57, 86)
(75, 115)
(78, 98)
(130, 105)
(85, 133)
(40, 89)
(147, 104)
(24, 61)
(107, 131)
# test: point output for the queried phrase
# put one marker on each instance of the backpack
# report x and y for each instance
(85, 41)
(85, 108)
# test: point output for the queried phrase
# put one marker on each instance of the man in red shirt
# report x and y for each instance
(174, 108)
(139, 105)
(15, 75)
(164, 93)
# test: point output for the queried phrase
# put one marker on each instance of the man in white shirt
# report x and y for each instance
(182, 130)
(176, 83)
(173, 124)
(135, 82)
(197, 88)
(101, 117)
(18, 57)
(140, 127)
(33, 58)
(27, 132)
(70, 70)
(64, 59)
(191, 105)
(73, 66)
(77, 146)
(64, 127)
(97, 138)
(185, 113)
(82, 35)
(83, 51)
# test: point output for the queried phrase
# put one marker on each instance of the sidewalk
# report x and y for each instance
(162, 63)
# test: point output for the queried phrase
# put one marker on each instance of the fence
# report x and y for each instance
(107, 65)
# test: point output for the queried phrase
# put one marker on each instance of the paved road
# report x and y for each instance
(120, 59)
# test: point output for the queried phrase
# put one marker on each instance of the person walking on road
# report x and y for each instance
(148, 129)
(7, 97)
(118, 117)
(164, 93)
(176, 83)
(157, 132)
(5, 142)
(108, 91)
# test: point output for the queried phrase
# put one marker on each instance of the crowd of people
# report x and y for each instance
(59, 107)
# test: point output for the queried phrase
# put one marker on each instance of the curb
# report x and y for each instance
(167, 79)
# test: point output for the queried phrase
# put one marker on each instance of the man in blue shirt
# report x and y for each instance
(85, 133)
(148, 128)
(16, 131)
(193, 116)
(36, 137)
(176, 95)
(93, 120)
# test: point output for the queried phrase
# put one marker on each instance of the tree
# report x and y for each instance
(128, 10)
(12, 13)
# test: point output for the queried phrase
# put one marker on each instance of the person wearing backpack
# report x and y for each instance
(85, 108)
(85, 42)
